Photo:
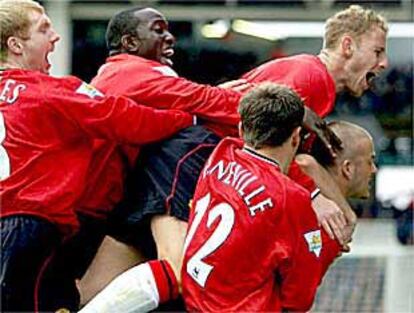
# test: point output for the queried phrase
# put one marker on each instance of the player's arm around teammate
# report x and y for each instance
(145, 54)
(46, 126)
(353, 54)
(254, 243)
(320, 78)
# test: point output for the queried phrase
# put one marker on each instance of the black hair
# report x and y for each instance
(122, 23)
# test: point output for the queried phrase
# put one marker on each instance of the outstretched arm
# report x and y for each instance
(239, 85)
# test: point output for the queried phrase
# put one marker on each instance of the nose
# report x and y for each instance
(383, 64)
(374, 168)
(169, 38)
(55, 37)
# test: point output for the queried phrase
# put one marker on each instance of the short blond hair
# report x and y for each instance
(15, 20)
(354, 21)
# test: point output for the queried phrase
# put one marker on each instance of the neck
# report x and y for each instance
(335, 67)
(280, 154)
(4, 65)
(9, 64)
(339, 180)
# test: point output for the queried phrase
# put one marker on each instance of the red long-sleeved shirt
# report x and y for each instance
(308, 76)
(149, 83)
(253, 242)
(47, 126)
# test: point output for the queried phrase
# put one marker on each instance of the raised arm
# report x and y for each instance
(160, 90)
(116, 118)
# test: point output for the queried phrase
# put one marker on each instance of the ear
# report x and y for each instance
(347, 169)
(15, 45)
(296, 137)
(240, 130)
(130, 43)
(347, 46)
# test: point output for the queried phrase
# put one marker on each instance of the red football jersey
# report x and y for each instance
(150, 83)
(153, 84)
(305, 74)
(308, 76)
(46, 130)
(296, 173)
(253, 242)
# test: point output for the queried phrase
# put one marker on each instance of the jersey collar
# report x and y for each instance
(256, 155)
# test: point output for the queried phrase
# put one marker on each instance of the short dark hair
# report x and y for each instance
(269, 114)
(122, 23)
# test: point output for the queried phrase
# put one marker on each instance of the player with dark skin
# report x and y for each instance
(341, 63)
(152, 40)
(47, 127)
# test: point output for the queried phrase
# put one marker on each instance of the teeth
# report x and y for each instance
(370, 77)
(168, 52)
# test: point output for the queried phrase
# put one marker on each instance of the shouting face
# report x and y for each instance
(155, 42)
(367, 60)
(39, 43)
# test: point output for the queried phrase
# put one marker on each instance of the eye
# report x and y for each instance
(159, 30)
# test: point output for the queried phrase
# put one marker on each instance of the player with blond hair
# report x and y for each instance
(47, 126)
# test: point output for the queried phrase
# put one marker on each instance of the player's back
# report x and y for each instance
(305, 74)
(240, 233)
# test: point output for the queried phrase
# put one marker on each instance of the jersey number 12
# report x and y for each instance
(196, 267)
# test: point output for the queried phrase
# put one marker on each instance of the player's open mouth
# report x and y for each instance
(370, 77)
(166, 56)
(47, 61)
(168, 53)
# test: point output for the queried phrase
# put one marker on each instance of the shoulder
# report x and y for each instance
(50, 85)
(52, 82)
(131, 63)
(298, 62)
(295, 193)
(69, 87)
(226, 146)
(124, 63)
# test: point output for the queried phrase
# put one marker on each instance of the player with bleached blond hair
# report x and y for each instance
(353, 54)
(316, 79)
(47, 126)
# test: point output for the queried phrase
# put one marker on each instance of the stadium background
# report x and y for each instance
(221, 39)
